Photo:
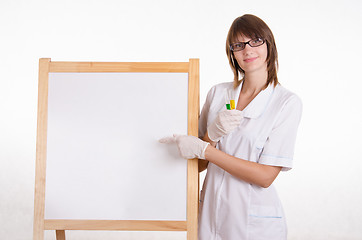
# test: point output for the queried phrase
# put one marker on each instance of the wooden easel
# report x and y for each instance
(46, 66)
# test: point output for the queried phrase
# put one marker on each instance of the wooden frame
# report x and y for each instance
(46, 66)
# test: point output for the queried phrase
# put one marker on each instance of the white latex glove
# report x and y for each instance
(188, 146)
(224, 123)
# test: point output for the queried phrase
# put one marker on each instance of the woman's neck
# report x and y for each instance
(254, 83)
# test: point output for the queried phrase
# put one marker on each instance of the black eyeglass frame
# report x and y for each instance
(244, 44)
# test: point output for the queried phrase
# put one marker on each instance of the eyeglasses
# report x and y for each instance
(235, 47)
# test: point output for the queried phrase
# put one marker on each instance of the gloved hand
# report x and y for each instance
(224, 123)
(188, 146)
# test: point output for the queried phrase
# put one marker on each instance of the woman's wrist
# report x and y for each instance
(208, 151)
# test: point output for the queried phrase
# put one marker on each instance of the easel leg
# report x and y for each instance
(60, 234)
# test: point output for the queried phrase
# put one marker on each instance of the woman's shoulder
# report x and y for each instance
(285, 95)
(223, 85)
(217, 92)
(220, 87)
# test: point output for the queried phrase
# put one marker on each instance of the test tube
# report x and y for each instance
(227, 99)
(232, 104)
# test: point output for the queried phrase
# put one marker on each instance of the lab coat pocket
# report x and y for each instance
(258, 147)
(260, 142)
(266, 223)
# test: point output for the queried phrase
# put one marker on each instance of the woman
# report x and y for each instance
(246, 148)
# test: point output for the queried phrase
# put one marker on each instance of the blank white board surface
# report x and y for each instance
(104, 160)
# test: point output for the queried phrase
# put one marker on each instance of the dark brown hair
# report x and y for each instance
(253, 27)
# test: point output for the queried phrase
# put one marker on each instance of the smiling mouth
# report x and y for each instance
(250, 59)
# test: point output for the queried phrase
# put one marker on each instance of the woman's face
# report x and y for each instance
(251, 59)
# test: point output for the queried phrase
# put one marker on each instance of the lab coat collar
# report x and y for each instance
(258, 105)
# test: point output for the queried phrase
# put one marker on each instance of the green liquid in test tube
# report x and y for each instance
(229, 100)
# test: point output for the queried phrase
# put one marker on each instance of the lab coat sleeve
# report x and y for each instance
(279, 147)
(205, 113)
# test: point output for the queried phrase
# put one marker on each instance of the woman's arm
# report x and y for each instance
(251, 172)
(203, 163)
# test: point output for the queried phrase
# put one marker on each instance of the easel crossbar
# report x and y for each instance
(118, 67)
(117, 225)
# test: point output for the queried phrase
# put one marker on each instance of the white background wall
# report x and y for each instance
(320, 50)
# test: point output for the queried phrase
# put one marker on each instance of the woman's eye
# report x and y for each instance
(258, 40)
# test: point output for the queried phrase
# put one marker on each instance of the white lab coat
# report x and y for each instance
(230, 208)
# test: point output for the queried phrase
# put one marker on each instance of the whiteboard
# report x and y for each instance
(104, 160)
